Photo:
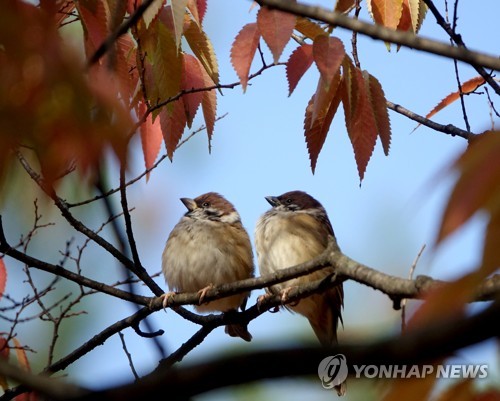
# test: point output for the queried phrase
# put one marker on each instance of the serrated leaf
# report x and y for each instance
(172, 126)
(94, 15)
(361, 125)
(467, 87)
(418, 11)
(192, 78)
(126, 67)
(386, 12)
(298, 63)
(308, 28)
(328, 53)
(344, 6)
(350, 90)
(178, 8)
(167, 64)
(203, 49)
(3, 278)
(276, 28)
(152, 12)
(324, 95)
(209, 108)
(243, 51)
(316, 127)
(151, 137)
(477, 186)
(379, 107)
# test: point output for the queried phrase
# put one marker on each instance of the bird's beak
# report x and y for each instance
(273, 200)
(189, 203)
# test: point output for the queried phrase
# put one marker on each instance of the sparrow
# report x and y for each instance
(295, 230)
(208, 247)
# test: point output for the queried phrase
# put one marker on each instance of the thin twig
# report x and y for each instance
(410, 277)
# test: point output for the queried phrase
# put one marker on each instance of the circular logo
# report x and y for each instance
(333, 371)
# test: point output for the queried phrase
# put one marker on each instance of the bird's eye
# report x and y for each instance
(206, 204)
(289, 201)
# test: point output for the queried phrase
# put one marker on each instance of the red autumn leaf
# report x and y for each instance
(151, 137)
(3, 279)
(172, 125)
(298, 63)
(94, 16)
(328, 53)
(198, 9)
(276, 28)
(209, 107)
(316, 128)
(379, 107)
(386, 12)
(361, 125)
(192, 78)
(126, 68)
(243, 51)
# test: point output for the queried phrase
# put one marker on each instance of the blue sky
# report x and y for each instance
(258, 149)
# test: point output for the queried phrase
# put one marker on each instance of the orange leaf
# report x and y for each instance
(328, 54)
(172, 125)
(308, 28)
(467, 87)
(151, 137)
(243, 50)
(276, 28)
(316, 126)
(3, 280)
(477, 186)
(298, 63)
(192, 78)
(379, 107)
(386, 12)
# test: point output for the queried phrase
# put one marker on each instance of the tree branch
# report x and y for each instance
(388, 35)
(457, 38)
(421, 345)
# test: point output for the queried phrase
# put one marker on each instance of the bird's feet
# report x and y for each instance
(263, 298)
(167, 298)
(284, 296)
(203, 292)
